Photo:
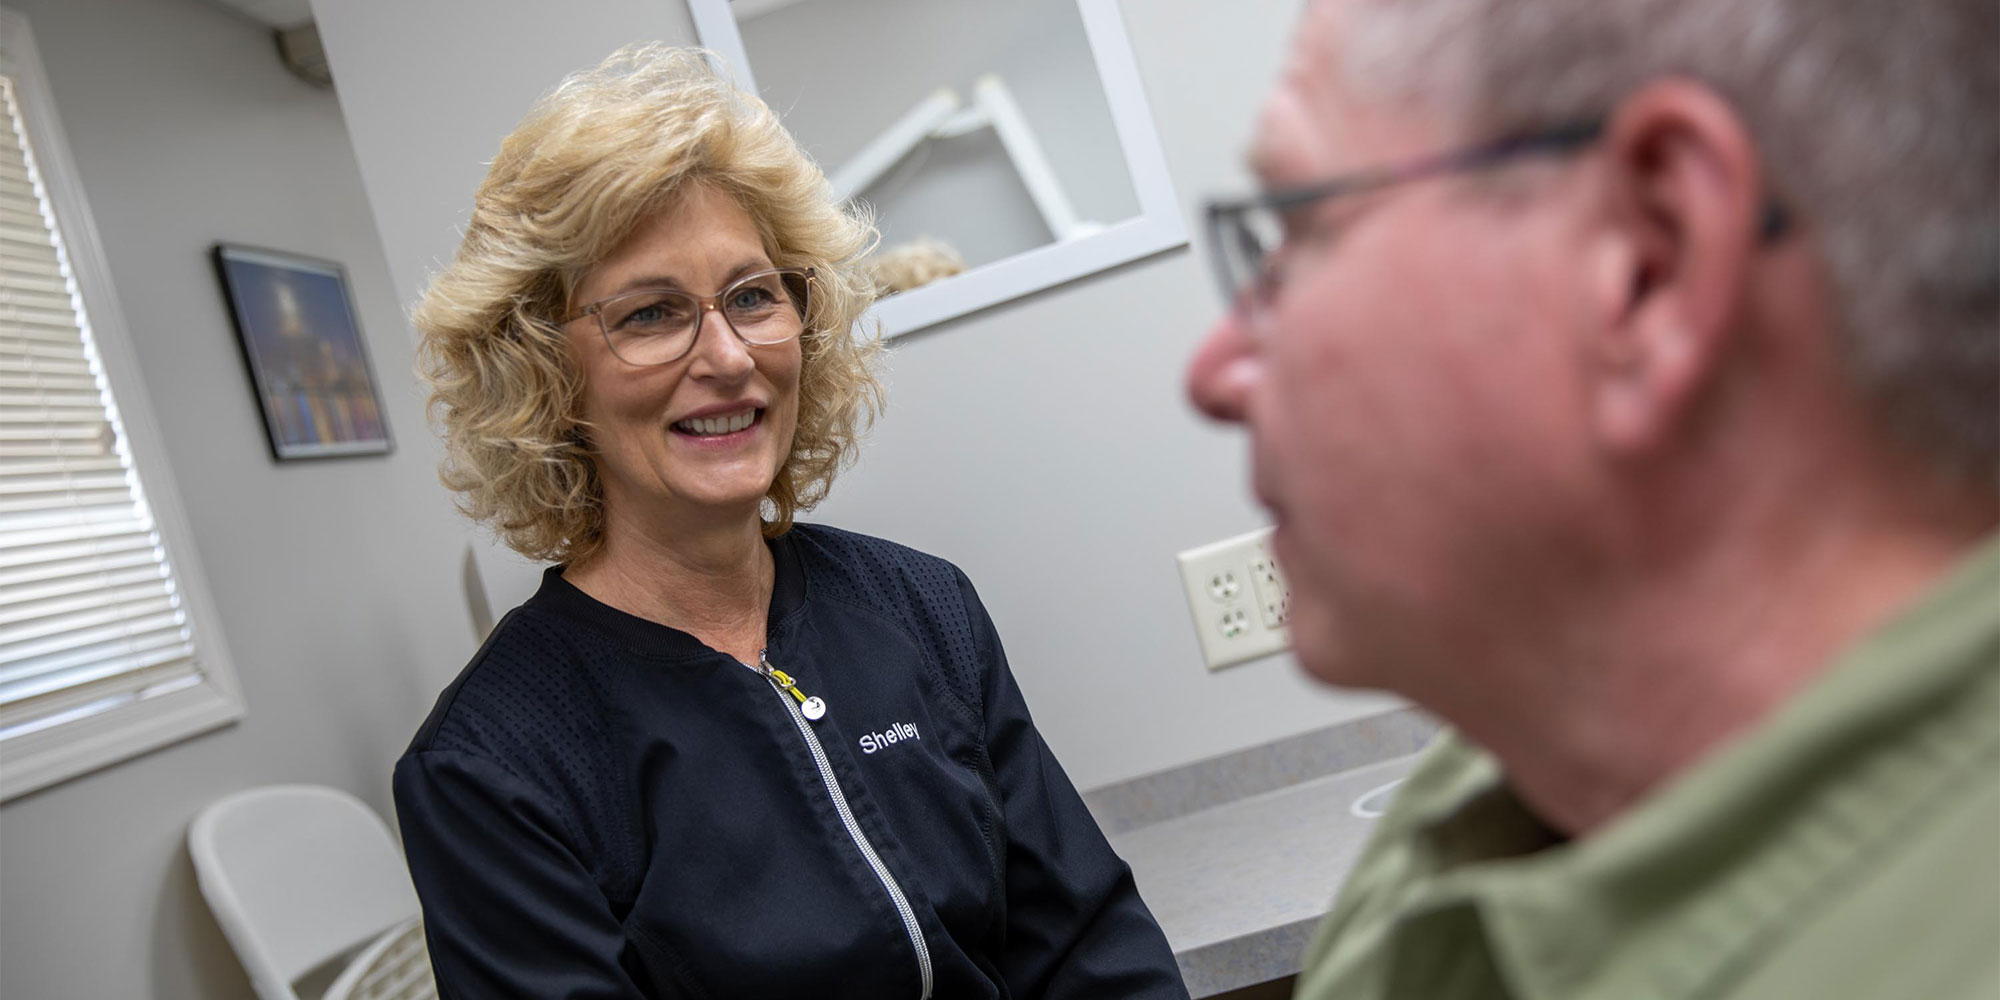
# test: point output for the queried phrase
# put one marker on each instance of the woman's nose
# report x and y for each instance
(1224, 369)
(718, 351)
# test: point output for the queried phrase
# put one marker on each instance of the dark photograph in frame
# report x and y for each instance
(308, 362)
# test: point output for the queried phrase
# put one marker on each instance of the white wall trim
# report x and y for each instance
(1159, 225)
(142, 724)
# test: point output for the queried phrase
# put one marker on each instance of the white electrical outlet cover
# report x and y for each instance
(1274, 595)
(1237, 598)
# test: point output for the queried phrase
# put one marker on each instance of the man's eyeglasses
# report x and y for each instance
(657, 326)
(1246, 235)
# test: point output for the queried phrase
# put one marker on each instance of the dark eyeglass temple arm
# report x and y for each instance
(1774, 223)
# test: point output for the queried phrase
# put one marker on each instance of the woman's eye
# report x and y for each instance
(753, 297)
(653, 314)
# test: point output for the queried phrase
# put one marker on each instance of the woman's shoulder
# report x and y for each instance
(531, 723)
(881, 574)
(522, 684)
(930, 597)
(825, 549)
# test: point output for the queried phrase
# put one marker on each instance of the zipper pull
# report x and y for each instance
(812, 708)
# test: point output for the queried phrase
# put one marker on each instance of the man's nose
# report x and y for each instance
(1224, 369)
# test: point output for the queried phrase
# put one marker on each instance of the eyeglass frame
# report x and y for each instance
(1257, 290)
(704, 304)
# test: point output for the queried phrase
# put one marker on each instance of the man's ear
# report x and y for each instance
(1684, 192)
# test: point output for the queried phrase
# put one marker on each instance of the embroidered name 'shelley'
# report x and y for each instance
(895, 734)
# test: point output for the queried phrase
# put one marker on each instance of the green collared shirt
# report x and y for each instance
(1847, 847)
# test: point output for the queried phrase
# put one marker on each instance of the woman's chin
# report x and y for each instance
(718, 501)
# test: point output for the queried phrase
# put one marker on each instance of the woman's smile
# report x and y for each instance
(721, 430)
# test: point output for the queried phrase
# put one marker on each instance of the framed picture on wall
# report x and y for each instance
(308, 362)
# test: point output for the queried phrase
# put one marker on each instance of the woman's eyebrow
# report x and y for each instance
(644, 281)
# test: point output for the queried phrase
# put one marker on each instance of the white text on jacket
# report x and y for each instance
(896, 734)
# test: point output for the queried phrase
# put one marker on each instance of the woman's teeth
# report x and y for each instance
(711, 426)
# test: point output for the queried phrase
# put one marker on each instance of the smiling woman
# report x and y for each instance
(682, 427)
(576, 182)
(659, 776)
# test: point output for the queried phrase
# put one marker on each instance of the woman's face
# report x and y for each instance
(662, 435)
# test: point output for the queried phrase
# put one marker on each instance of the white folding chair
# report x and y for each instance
(298, 875)
(395, 967)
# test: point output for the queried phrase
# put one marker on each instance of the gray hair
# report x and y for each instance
(1879, 124)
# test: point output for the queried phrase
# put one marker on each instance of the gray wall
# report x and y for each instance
(337, 581)
(1043, 445)
(963, 190)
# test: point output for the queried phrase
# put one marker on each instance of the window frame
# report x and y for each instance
(138, 725)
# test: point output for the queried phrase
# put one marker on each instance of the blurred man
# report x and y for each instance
(1622, 378)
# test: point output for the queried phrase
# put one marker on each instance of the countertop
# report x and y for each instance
(1238, 888)
(1240, 857)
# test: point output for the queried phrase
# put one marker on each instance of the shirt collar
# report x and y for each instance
(1700, 874)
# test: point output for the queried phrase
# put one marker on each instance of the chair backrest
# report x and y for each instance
(297, 874)
(396, 967)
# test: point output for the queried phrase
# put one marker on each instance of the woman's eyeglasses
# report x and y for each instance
(656, 326)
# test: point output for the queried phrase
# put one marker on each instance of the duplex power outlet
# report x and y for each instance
(1238, 598)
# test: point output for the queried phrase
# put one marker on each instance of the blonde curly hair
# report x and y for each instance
(608, 148)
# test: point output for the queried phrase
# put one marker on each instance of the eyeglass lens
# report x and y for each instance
(658, 325)
(1245, 239)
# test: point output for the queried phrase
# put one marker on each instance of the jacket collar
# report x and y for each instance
(563, 599)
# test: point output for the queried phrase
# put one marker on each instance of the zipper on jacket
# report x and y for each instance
(786, 693)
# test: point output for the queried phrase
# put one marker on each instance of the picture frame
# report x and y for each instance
(308, 362)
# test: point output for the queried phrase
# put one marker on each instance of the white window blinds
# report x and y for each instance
(90, 616)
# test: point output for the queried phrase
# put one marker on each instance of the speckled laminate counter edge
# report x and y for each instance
(1254, 958)
(1216, 781)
